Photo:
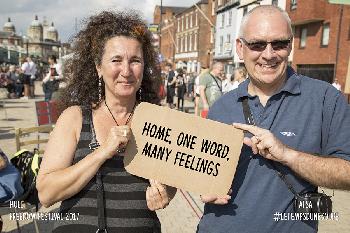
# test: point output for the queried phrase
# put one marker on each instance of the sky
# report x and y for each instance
(64, 13)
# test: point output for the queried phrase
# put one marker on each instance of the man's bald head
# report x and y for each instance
(264, 10)
(218, 69)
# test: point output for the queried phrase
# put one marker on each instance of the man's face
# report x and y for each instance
(219, 71)
(265, 65)
(167, 68)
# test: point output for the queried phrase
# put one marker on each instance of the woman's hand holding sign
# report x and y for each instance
(159, 195)
(266, 144)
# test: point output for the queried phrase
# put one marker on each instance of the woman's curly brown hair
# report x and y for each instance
(88, 49)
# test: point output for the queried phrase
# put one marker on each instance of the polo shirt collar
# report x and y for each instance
(292, 85)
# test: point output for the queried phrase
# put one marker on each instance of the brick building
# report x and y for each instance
(167, 30)
(321, 39)
(194, 37)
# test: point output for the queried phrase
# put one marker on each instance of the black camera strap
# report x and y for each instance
(102, 228)
(220, 87)
(250, 121)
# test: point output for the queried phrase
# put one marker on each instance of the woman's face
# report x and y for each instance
(122, 66)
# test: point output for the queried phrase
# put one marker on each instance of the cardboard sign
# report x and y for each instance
(183, 150)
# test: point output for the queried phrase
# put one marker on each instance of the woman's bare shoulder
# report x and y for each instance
(70, 119)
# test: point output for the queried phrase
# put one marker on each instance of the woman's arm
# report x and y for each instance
(57, 179)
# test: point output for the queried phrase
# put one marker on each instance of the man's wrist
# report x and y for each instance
(290, 156)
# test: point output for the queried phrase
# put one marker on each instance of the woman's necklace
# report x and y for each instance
(121, 150)
(127, 120)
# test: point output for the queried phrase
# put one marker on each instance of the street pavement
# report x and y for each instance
(183, 213)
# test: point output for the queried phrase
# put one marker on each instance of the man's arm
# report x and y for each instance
(328, 172)
(203, 97)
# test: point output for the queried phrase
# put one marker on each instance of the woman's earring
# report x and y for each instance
(100, 89)
(140, 94)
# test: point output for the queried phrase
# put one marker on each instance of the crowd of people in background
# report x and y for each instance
(181, 84)
(18, 80)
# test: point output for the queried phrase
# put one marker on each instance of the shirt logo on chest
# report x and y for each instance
(288, 134)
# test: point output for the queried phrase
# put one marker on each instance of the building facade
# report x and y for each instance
(166, 27)
(226, 31)
(194, 37)
(229, 17)
(41, 41)
(321, 39)
(11, 44)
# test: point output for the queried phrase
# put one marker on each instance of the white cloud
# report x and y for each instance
(64, 13)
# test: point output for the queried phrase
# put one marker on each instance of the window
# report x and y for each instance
(223, 20)
(228, 38)
(325, 35)
(191, 21)
(185, 42)
(177, 44)
(221, 44)
(303, 36)
(211, 35)
(196, 18)
(186, 22)
(274, 2)
(245, 10)
(182, 23)
(229, 19)
(190, 46)
(178, 25)
(219, 2)
(213, 8)
(182, 44)
(195, 42)
(293, 4)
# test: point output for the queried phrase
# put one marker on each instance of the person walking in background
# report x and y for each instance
(13, 75)
(27, 78)
(190, 89)
(32, 72)
(6, 82)
(53, 78)
(181, 89)
(196, 95)
(170, 84)
(210, 87)
(336, 84)
(239, 76)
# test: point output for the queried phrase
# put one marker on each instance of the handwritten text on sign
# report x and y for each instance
(183, 150)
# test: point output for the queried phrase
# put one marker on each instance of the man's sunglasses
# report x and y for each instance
(261, 45)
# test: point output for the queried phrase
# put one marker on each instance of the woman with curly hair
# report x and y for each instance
(111, 71)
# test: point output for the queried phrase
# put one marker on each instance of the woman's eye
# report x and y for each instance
(117, 60)
(136, 61)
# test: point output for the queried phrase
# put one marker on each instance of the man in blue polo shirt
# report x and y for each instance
(302, 129)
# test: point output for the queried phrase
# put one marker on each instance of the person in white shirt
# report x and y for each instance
(29, 70)
(336, 84)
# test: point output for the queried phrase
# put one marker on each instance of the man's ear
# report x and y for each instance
(239, 48)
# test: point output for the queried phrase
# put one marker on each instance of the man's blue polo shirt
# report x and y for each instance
(308, 115)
